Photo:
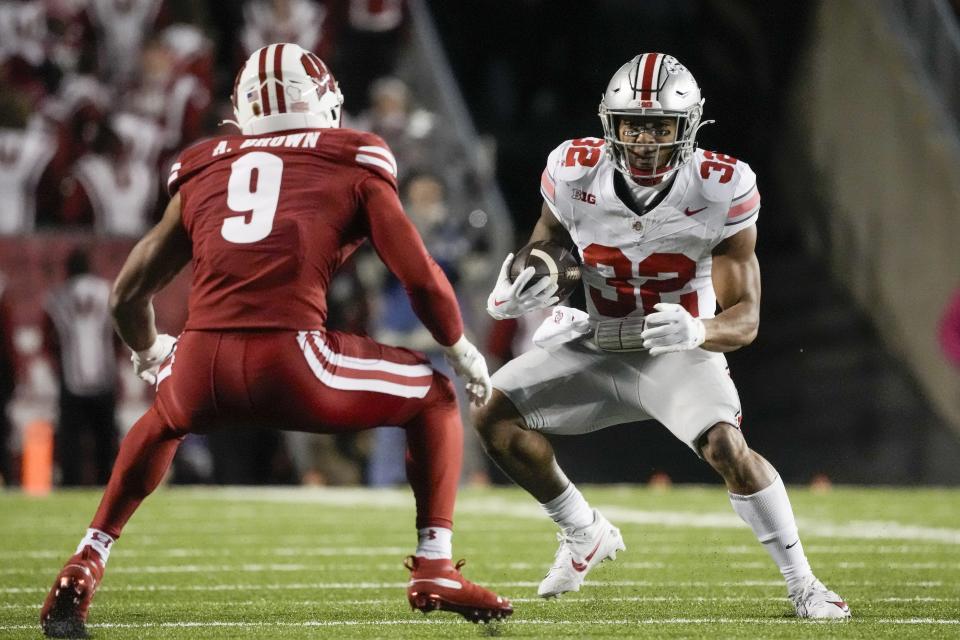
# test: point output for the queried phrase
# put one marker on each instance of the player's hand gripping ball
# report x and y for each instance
(551, 260)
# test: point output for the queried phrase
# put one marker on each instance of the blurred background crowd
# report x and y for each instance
(97, 97)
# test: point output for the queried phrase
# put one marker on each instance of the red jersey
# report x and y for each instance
(272, 217)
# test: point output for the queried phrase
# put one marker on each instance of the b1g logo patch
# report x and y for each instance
(583, 196)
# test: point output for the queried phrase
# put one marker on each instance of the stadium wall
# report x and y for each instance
(885, 156)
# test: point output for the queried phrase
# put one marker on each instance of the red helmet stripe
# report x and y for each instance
(278, 79)
(309, 66)
(264, 89)
(649, 66)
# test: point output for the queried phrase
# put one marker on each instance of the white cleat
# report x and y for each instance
(816, 602)
(581, 550)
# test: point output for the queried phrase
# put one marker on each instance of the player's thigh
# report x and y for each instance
(185, 389)
(571, 389)
(689, 392)
(332, 382)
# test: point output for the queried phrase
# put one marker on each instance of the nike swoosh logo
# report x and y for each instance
(691, 212)
(497, 303)
(443, 582)
(791, 546)
(582, 566)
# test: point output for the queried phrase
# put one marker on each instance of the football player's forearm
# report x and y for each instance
(435, 304)
(135, 324)
(732, 328)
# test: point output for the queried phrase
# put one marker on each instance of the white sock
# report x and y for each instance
(100, 542)
(434, 543)
(769, 514)
(570, 509)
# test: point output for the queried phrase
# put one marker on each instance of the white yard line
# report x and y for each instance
(352, 497)
(397, 566)
(378, 602)
(923, 584)
(636, 548)
(446, 621)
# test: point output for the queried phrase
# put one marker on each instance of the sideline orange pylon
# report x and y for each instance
(37, 474)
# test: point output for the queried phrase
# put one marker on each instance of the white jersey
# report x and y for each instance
(631, 262)
(24, 155)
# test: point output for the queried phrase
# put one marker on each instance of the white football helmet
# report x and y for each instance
(283, 86)
(652, 84)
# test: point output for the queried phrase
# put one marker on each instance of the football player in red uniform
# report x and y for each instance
(267, 217)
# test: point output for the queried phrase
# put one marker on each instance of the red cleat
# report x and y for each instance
(438, 585)
(64, 613)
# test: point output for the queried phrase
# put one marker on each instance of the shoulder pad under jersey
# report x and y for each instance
(571, 161)
(370, 152)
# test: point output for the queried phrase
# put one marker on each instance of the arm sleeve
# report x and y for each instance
(745, 206)
(400, 247)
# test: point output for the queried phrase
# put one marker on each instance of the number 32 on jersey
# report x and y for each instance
(628, 286)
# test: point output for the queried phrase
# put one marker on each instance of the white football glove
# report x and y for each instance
(470, 365)
(506, 299)
(146, 363)
(563, 325)
(672, 328)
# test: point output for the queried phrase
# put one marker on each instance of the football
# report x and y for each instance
(548, 259)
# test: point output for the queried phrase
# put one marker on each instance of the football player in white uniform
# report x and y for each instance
(666, 232)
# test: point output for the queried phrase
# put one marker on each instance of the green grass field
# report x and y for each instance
(303, 563)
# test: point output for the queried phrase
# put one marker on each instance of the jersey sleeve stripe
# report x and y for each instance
(746, 193)
(382, 153)
(547, 187)
(747, 205)
(174, 173)
(377, 162)
(743, 219)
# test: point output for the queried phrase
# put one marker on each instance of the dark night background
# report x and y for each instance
(532, 73)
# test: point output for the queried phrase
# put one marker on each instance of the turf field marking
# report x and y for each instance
(398, 566)
(399, 601)
(309, 551)
(44, 554)
(400, 585)
(454, 621)
(353, 497)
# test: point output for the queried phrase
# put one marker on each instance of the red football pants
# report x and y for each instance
(305, 381)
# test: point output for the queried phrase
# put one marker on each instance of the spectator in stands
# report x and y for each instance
(303, 22)
(27, 145)
(166, 92)
(78, 334)
(410, 131)
(425, 200)
(8, 380)
(368, 46)
(110, 188)
(121, 28)
(23, 50)
(950, 330)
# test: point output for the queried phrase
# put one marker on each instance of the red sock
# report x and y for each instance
(145, 455)
(435, 455)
